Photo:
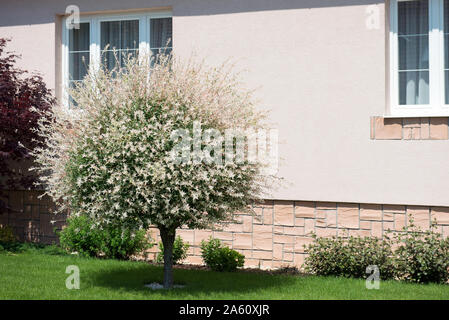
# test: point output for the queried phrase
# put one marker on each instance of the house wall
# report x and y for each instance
(316, 65)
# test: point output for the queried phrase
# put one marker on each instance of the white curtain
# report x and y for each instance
(161, 34)
(121, 37)
(413, 36)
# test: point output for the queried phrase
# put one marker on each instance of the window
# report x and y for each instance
(419, 57)
(106, 40)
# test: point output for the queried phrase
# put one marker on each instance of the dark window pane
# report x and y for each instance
(109, 59)
(413, 55)
(110, 34)
(79, 39)
(413, 17)
(413, 52)
(78, 65)
(161, 32)
(129, 34)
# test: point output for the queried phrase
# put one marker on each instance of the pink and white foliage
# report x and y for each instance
(110, 157)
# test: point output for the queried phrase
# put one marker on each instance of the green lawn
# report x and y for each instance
(33, 275)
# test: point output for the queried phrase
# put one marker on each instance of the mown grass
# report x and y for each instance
(37, 275)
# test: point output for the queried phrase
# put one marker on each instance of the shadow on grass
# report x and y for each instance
(202, 284)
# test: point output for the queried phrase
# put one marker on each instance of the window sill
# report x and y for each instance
(416, 115)
(395, 127)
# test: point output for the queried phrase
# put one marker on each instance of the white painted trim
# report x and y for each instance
(437, 106)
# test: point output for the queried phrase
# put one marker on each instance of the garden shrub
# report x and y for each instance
(422, 256)
(219, 257)
(180, 249)
(6, 234)
(349, 257)
(80, 236)
(114, 241)
(21, 93)
(411, 255)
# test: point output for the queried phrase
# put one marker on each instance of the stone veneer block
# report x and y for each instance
(348, 215)
(277, 251)
(309, 226)
(365, 225)
(263, 237)
(288, 256)
(421, 216)
(394, 208)
(201, 235)
(247, 223)
(223, 235)
(186, 235)
(284, 213)
(326, 205)
(387, 129)
(326, 232)
(263, 255)
(400, 221)
(300, 242)
(278, 238)
(439, 128)
(304, 209)
(441, 214)
(425, 128)
(371, 212)
(331, 218)
(268, 215)
(376, 229)
(388, 216)
(388, 226)
(242, 241)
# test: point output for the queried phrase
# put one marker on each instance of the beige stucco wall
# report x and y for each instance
(317, 66)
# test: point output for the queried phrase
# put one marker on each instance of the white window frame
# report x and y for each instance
(437, 106)
(95, 32)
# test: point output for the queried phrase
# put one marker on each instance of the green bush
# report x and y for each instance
(349, 257)
(419, 256)
(219, 257)
(6, 234)
(180, 249)
(115, 242)
(422, 256)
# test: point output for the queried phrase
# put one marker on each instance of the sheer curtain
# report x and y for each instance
(79, 55)
(161, 35)
(79, 42)
(413, 36)
(446, 50)
(119, 39)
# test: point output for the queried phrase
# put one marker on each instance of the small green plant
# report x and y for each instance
(219, 257)
(422, 256)
(180, 249)
(6, 234)
(80, 236)
(349, 257)
(83, 236)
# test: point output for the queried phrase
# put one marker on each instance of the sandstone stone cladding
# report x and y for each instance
(273, 237)
(433, 128)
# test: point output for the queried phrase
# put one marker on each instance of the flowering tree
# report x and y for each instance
(145, 148)
(18, 95)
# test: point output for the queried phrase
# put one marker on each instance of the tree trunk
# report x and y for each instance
(168, 239)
